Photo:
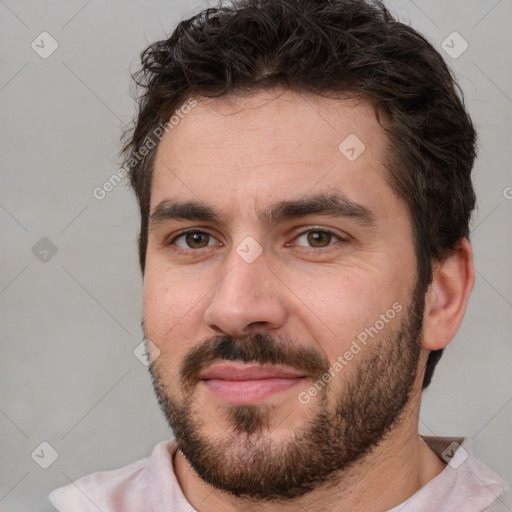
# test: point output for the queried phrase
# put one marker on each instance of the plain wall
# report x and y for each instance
(69, 324)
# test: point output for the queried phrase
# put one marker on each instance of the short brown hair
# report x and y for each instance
(325, 47)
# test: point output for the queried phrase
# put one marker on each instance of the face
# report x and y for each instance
(279, 291)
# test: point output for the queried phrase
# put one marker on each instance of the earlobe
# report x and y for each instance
(448, 296)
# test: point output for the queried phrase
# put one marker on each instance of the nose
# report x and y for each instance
(247, 299)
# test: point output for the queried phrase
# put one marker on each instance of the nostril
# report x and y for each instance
(257, 324)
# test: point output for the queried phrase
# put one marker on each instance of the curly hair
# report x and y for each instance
(324, 47)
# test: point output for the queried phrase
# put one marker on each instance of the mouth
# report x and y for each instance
(244, 384)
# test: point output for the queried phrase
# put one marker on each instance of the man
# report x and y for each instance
(303, 173)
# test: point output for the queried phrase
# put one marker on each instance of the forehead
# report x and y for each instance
(244, 151)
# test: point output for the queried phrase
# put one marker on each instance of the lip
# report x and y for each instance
(242, 371)
(245, 384)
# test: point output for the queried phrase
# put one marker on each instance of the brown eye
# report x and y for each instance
(192, 240)
(319, 238)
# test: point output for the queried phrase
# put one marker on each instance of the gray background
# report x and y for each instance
(70, 323)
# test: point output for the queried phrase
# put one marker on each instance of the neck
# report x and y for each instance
(403, 457)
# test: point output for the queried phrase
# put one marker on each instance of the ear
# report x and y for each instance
(447, 297)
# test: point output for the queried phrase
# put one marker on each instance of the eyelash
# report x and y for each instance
(314, 250)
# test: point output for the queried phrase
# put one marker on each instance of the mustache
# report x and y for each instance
(257, 348)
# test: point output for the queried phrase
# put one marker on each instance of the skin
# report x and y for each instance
(241, 155)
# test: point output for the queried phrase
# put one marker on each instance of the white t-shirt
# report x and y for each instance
(150, 485)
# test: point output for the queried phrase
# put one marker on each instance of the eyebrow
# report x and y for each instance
(325, 204)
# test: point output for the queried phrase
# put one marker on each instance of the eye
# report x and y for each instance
(313, 240)
(318, 238)
(190, 240)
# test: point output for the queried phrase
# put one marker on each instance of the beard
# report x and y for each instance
(247, 462)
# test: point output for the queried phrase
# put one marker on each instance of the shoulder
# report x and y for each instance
(503, 503)
(464, 484)
(119, 489)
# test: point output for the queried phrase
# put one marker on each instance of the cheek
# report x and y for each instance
(171, 295)
(337, 307)
(170, 312)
